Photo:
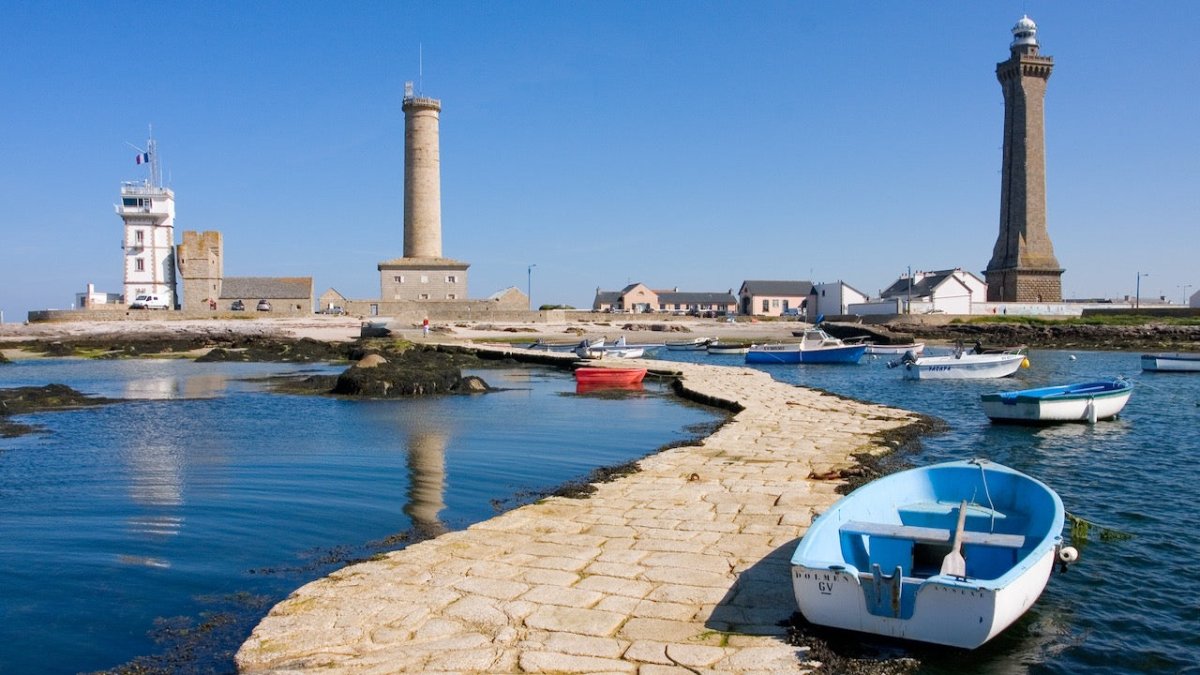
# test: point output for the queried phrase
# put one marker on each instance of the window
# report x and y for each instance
(139, 236)
(451, 296)
(766, 305)
(775, 302)
(398, 279)
(139, 265)
(374, 310)
(423, 296)
(451, 279)
(424, 278)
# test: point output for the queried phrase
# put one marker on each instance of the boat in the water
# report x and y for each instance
(541, 345)
(1083, 402)
(949, 554)
(615, 377)
(895, 350)
(816, 347)
(1167, 362)
(961, 365)
(694, 345)
(717, 347)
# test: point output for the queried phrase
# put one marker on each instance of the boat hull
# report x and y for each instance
(873, 561)
(793, 353)
(917, 348)
(1072, 403)
(966, 367)
(1171, 363)
(609, 376)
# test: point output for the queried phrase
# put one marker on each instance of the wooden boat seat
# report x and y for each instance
(931, 535)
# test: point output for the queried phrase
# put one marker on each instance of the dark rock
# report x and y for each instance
(25, 400)
(415, 372)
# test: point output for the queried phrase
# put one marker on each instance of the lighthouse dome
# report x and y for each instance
(1025, 32)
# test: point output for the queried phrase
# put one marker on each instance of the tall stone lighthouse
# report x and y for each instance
(422, 274)
(1023, 267)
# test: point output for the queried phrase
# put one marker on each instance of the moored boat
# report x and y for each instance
(716, 347)
(816, 347)
(949, 554)
(695, 344)
(595, 377)
(1167, 362)
(1083, 402)
(895, 350)
(961, 365)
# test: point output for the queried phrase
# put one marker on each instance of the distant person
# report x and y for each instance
(425, 327)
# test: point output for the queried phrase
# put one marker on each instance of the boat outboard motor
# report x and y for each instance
(909, 357)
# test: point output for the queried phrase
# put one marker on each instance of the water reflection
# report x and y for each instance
(176, 387)
(156, 473)
(427, 481)
(590, 387)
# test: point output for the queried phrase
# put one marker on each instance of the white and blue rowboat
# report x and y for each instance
(1178, 362)
(816, 347)
(1083, 402)
(716, 348)
(895, 350)
(695, 345)
(949, 554)
(960, 366)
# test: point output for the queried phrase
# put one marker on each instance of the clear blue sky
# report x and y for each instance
(689, 144)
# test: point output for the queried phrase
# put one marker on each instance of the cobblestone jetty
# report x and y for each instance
(681, 567)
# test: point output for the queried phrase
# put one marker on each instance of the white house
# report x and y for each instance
(1194, 301)
(949, 291)
(831, 300)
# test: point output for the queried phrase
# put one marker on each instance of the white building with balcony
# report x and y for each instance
(149, 243)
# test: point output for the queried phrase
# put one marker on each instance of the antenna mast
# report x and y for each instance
(420, 68)
(155, 168)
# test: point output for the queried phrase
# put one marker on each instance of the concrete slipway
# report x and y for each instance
(681, 567)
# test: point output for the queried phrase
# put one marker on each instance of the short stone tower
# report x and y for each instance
(1023, 267)
(422, 274)
(200, 266)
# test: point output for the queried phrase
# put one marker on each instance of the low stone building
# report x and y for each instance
(289, 296)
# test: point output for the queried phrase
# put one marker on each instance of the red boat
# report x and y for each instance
(609, 376)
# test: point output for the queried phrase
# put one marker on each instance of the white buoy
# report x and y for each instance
(1091, 411)
(1068, 554)
(1071, 357)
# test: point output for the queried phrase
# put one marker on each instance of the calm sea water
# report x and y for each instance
(127, 529)
(1130, 606)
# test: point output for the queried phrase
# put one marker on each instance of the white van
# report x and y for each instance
(149, 302)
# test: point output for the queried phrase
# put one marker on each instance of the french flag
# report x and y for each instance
(143, 158)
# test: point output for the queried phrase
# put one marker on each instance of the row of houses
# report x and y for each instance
(950, 291)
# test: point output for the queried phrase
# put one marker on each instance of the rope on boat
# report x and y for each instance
(1081, 529)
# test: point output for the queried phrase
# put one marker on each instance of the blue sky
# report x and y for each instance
(689, 144)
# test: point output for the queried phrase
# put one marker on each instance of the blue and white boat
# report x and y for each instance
(816, 347)
(1171, 362)
(1083, 402)
(949, 554)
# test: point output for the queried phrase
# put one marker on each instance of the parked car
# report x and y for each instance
(263, 306)
(149, 302)
(791, 311)
(238, 306)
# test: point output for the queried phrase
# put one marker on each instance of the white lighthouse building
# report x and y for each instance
(148, 210)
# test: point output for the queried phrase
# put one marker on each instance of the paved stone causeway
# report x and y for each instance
(682, 567)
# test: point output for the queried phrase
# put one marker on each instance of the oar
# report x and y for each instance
(953, 564)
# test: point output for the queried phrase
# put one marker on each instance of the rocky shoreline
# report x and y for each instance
(1149, 337)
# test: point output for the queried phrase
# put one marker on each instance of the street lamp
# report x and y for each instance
(529, 284)
(1137, 293)
(1185, 288)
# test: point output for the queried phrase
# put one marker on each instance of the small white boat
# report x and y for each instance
(895, 350)
(693, 345)
(1084, 402)
(961, 365)
(590, 349)
(717, 348)
(1177, 362)
(949, 554)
